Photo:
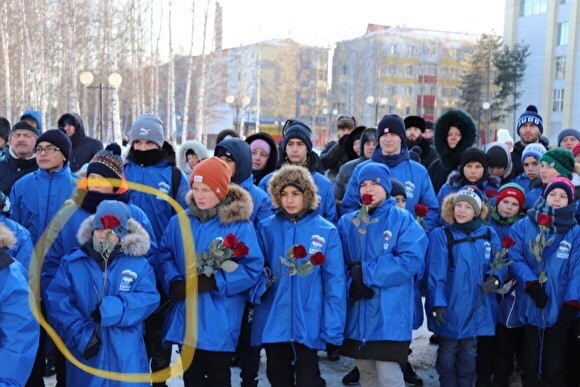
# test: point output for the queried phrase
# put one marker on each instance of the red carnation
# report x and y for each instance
(231, 241)
(241, 250)
(110, 222)
(507, 242)
(299, 251)
(490, 193)
(317, 259)
(367, 199)
(421, 210)
(544, 220)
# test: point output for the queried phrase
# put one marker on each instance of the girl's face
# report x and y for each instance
(508, 207)
(101, 236)
(192, 161)
(547, 172)
(569, 142)
(292, 200)
(98, 183)
(376, 190)
(531, 167)
(259, 159)
(204, 196)
(557, 198)
(401, 201)
(464, 213)
(473, 171)
(453, 137)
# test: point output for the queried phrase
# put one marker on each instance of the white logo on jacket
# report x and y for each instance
(127, 279)
(163, 187)
(564, 250)
(387, 235)
(409, 189)
(316, 244)
(487, 247)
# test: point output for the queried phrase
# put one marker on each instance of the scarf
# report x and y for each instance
(294, 218)
(147, 158)
(468, 227)
(89, 200)
(91, 252)
(502, 221)
(563, 219)
(390, 160)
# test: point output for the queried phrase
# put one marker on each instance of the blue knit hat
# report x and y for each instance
(112, 208)
(376, 172)
(299, 130)
(147, 127)
(531, 115)
(568, 132)
(535, 150)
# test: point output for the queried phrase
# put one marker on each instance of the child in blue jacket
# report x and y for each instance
(460, 302)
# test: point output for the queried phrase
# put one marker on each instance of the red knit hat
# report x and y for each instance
(511, 190)
(215, 173)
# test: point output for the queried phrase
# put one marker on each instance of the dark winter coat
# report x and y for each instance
(12, 168)
(340, 153)
(517, 152)
(272, 162)
(428, 153)
(346, 170)
(83, 146)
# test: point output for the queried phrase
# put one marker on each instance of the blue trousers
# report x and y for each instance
(456, 362)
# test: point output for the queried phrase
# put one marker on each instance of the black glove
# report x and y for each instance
(93, 346)
(538, 294)
(491, 284)
(96, 314)
(177, 290)
(360, 289)
(576, 330)
(565, 319)
(439, 313)
(205, 283)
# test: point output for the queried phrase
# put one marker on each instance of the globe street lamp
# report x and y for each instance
(485, 106)
(382, 101)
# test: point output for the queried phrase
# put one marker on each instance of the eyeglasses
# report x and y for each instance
(47, 149)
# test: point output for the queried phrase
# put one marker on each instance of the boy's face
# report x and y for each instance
(557, 198)
(401, 201)
(49, 157)
(377, 191)
(204, 196)
(292, 200)
(508, 207)
(464, 213)
(98, 183)
(368, 148)
(231, 163)
(473, 171)
(144, 145)
(547, 172)
(531, 167)
(297, 151)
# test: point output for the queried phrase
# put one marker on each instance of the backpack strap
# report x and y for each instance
(175, 181)
(452, 241)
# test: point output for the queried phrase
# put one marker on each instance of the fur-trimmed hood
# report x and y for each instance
(462, 121)
(297, 175)
(7, 237)
(136, 243)
(196, 146)
(239, 205)
(447, 211)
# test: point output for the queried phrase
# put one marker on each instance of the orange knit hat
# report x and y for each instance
(215, 173)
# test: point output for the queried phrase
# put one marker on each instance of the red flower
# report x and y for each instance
(110, 222)
(367, 199)
(241, 250)
(507, 242)
(230, 241)
(490, 193)
(317, 259)
(421, 210)
(544, 220)
(299, 251)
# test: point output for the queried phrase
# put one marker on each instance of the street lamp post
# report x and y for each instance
(485, 106)
(238, 104)
(115, 80)
(382, 101)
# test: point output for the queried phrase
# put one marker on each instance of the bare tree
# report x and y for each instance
(185, 112)
(4, 38)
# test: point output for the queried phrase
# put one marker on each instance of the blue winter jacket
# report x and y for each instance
(454, 184)
(417, 184)
(38, 196)
(523, 180)
(327, 207)
(261, 200)
(63, 233)
(458, 288)
(562, 263)
(157, 176)
(128, 298)
(23, 249)
(311, 309)
(392, 254)
(19, 330)
(220, 311)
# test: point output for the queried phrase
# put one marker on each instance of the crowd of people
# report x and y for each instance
(265, 245)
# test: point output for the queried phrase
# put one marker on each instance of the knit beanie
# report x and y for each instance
(428, 124)
(498, 155)
(23, 125)
(503, 135)
(415, 122)
(511, 190)
(568, 132)
(4, 128)
(397, 188)
(392, 123)
(576, 149)
(58, 138)
(473, 154)
(107, 163)
(260, 144)
(112, 215)
(470, 194)
(377, 173)
(147, 127)
(562, 182)
(299, 130)
(561, 159)
(531, 115)
(215, 173)
(535, 150)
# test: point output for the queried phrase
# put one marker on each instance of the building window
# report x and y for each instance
(560, 67)
(393, 49)
(407, 110)
(410, 71)
(558, 100)
(393, 69)
(409, 90)
(533, 7)
(410, 51)
(562, 34)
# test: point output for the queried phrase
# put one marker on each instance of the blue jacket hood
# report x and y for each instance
(239, 151)
(35, 115)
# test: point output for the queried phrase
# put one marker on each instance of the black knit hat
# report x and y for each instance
(392, 123)
(58, 138)
(300, 131)
(23, 125)
(4, 128)
(497, 157)
(473, 154)
(397, 188)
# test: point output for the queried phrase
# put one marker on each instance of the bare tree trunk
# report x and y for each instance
(32, 96)
(4, 38)
(185, 114)
(199, 120)
(73, 100)
(171, 82)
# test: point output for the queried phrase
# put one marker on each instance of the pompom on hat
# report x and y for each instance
(531, 116)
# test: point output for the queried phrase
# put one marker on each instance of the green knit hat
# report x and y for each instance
(561, 159)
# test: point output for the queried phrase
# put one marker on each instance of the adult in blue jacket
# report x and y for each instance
(151, 162)
(393, 153)
(299, 314)
(23, 248)
(216, 209)
(37, 197)
(102, 325)
(297, 150)
(384, 250)
(19, 330)
(549, 307)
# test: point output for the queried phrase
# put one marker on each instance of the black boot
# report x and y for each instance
(410, 376)
(434, 339)
(351, 378)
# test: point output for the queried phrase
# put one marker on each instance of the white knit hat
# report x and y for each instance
(503, 135)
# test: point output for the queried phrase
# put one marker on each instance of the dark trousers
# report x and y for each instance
(208, 368)
(572, 356)
(509, 343)
(158, 354)
(484, 362)
(545, 349)
(36, 376)
(249, 355)
(292, 365)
